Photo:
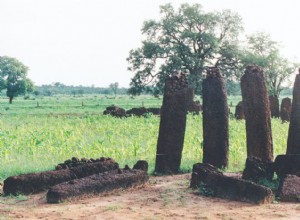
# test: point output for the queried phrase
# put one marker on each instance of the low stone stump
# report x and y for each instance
(37, 182)
(137, 111)
(286, 109)
(289, 189)
(115, 111)
(287, 164)
(97, 184)
(239, 111)
(154, 111)
(230, 188)
(257, 169)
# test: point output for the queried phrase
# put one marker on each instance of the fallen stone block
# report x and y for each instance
(97, 184)
(257, 169)
(222, 186)
(37, 182)
(289, 189)
(287, 164)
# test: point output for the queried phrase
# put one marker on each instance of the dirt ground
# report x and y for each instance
(167, 197)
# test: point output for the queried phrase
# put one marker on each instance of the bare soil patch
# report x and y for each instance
(166, 197)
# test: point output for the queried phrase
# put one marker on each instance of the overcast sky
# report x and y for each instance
(85, 42)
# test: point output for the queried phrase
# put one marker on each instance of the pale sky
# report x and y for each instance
(85, 42)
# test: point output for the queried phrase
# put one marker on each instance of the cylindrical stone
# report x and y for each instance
(274, 106)
(257, 114)
(293, 143)
(239, 111)
(285, 109)
(215, 120)
(172, 124)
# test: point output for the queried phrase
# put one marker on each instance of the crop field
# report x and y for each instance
(38, 133)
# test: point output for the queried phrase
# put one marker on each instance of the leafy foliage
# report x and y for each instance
(263, 51)
(189, 40)
(13, 77)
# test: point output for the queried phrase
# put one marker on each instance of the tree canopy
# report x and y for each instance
(263, 51)
(13, 77)
(189, 40)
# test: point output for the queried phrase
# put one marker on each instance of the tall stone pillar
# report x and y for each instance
(293, 143)
(215, 120)
(257, 113)
(172, 124)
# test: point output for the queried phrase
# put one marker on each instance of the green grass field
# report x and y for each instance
(37, 138)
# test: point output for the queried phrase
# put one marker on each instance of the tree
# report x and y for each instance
(13, 77)
(189, 40)
(114, 88)
(263, 51)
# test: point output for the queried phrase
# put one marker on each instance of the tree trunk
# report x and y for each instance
(10, 99)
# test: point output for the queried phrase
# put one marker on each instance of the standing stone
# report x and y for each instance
(257, 113)
(172, 124)
(215, 120)
(293, 143)
(239, 111)
(274, 106)
(286, 109)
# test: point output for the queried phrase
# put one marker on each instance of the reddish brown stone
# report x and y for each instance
(257, 114)
(287, 164)
(256, 169)
(37, 182)
(137, 111)
(274, 106)
(115, 111)
(286, 109)
(218, 185)
(289, 189)
(293, 143)
(172, 124)
(239, 111)
(215, 120)
(97, 184)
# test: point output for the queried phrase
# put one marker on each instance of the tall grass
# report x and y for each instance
(38, 140)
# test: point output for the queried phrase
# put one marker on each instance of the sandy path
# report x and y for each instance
(163, 198)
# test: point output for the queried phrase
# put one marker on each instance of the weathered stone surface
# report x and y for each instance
(289, 189)
(293, 143)
(141, 165)
(154, 111)
(97, 184)
(230, 188)
(193, 106)
(115, 111)
(257, 114)
(201, 171)
(137, 111)
(239, 111)
(287, 164)
(274, 106)
(37, 182)
(257, 169)
(215, 120)
(286, 109)
(172, 124)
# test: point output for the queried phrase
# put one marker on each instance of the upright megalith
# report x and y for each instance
(239, 111)
(286, 109)
(172, 124)
(274, 106)
(215, 120)
(293, 143)
(257, 114)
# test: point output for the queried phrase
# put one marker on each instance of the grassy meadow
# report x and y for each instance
(38, 133)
